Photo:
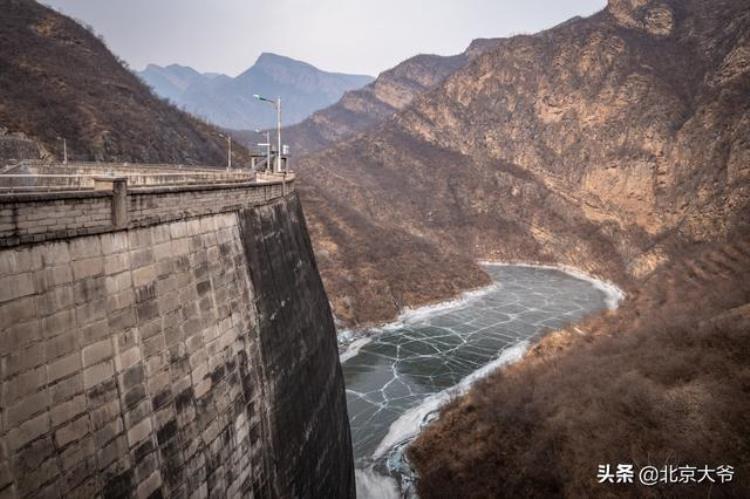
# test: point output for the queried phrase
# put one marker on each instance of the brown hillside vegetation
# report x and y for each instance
(371, 269)
(617, 144)
(607, 143)
(57, 80)
(373, 272)
(664, 381)
(361, 109)
(635, 123)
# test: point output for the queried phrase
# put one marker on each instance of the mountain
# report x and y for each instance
(610, 143)
(57, 80)
(361, 109)
(372, 271)
(229, 103)
(172, 81)
(617, 144)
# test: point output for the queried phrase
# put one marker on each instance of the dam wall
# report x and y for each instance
(307, 410)
(189, 352)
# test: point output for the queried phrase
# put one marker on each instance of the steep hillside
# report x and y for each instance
(661, 382)
(57, 81)
(229, 103)
(373, 270)
(609, 143)
(361, 109)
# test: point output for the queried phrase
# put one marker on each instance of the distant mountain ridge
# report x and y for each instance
(229, 102)
(371, 105)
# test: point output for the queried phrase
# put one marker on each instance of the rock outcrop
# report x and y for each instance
(609, 143)
(361, 109)
(653, 17)
(373, 270)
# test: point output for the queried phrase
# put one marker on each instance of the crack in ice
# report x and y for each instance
(400, 374)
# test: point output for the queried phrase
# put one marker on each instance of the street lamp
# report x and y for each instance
(229, 149)
(277, 105)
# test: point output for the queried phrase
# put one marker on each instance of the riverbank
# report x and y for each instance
(614, 293)
(351, 340)
(400, 375)
(661, 381)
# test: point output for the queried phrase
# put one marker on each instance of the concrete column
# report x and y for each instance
(120, 202)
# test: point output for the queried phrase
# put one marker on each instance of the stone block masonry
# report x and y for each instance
(187, 355)
(130, 364)
(308, 420)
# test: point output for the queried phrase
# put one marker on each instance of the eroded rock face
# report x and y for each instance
(365, 264)
(361, 109)
(653, 17)
(17, 147)
(588, 144)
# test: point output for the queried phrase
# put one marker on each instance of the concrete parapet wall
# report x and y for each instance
(83, 167)
(35, 217)
(13, 183)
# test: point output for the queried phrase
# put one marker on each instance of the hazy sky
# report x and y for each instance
(354, 36)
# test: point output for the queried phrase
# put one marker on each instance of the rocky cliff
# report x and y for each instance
(617, 144)
(372, 270)
(361, 109)
(609, 143)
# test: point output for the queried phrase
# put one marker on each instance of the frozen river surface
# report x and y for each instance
(397, 381)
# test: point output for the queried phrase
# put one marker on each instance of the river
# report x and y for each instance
(397, 378)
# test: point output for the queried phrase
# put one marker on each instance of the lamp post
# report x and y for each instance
(229, 149)
(277, 105)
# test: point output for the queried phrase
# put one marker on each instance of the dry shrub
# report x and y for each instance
(664, 381)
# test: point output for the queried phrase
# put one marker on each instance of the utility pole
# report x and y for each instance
(65, 151)
(268, 150)
(229, 153)
(277, 105)
(278, 134)
(229, 149)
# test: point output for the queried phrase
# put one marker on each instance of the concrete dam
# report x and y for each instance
(164, 332)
